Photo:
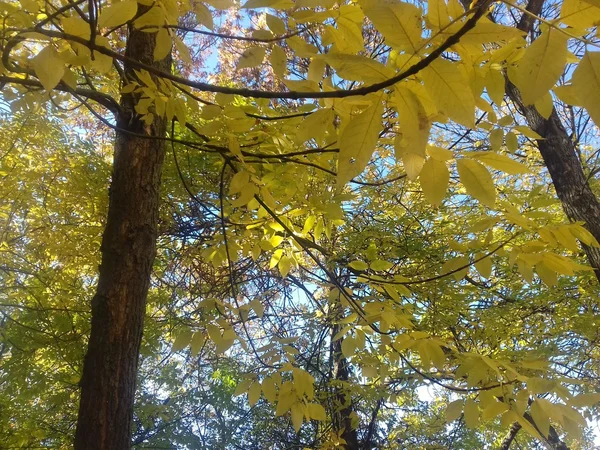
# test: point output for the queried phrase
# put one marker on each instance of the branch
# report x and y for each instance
(103, 99)
(479, 11)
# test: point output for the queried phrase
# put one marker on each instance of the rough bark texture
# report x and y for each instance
(342, 420)
(558, 151)
(560, 156)
(128, 251)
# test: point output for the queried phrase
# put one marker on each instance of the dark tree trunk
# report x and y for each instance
(560, 156)
(343, 402)
(128, 251)
(558, 151)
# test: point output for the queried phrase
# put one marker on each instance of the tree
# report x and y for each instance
(300, 187)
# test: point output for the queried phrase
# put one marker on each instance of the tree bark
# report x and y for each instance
(560, 156)
(128, 251)
(341, 374)
(558, 151)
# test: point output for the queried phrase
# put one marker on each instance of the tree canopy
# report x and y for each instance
(295, 224)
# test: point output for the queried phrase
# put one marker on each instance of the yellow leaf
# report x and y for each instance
(358, 68)
(547, 275)
(203, 15)
(484, 266)
(493, 410)
(450, 90)
(412, 139)
(540, 417)
(242, 388)
(438, 153)
(512, 142)
(495, 84)
(566, 94)
(500, 162)
(269, 391)
(278, 60)
(181, 341)
(48, 67)
(454, 410)
(163, 45)
(487, 31)
(471, 414)
(585, 400)
(434, 180)
(400, 24)
(437, 14)
(254, 393)
(477, 181)
(545, 105)
(459, 263)
(155, 17)
(76, 26)
(316, 412)
(285, 264)
(277, 254)
(358, 141)
(586, 83)
(117, 14)
(579, 14)
(297, 415)
(275, 24)
(541, 66)
(348, 347)
(197, 342)
(251, 57)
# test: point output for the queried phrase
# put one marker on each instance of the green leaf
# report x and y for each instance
(379, 265)
(358, 265)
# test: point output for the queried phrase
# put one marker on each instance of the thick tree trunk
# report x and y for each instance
(128, 251)
(560, 156)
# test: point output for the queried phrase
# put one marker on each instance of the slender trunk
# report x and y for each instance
(560, 156)
(342, 418)
(128, 251)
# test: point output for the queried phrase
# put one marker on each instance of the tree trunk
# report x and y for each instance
(343, 402)
(128, 251)
(560, 156)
